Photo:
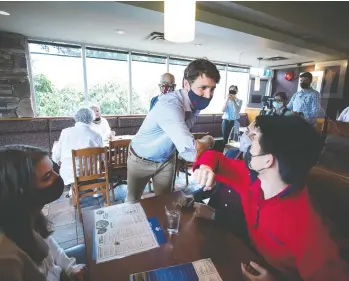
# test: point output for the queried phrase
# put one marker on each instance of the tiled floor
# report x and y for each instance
(68, 230)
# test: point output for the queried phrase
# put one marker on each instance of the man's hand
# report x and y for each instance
(205, 177)
(203, 211)
(186, 201)
(263, 275)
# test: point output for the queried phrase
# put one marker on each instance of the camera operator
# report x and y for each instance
(231, 112)
(279, 106)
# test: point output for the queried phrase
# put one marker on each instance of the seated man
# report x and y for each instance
(78, 137)
(282, 222)
(100, 124)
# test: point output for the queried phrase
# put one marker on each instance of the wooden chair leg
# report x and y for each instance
(107, 193)
(77, 197)
(73, 194)
(112, 192)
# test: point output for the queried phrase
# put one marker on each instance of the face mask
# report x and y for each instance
(277, 105)
(164, 89)
(305, 85)
(41, 197)
(248, 160)
(199, 103)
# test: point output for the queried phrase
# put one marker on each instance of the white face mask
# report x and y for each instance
(277, 105)
(245, 142)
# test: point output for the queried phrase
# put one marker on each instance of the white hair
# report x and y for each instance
(84, 115)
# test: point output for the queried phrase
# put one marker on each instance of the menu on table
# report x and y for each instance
(122, 230)
(202, 270)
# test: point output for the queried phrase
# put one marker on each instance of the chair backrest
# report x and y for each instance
(118, 153)
(200, 135)
(89, 163)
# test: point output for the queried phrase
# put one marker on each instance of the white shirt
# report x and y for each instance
(344, 117)
(56, 261)
(78, 137)
(102, 128)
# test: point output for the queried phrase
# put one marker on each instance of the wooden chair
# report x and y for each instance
(118, 154)
(90, 174)
(181, 163)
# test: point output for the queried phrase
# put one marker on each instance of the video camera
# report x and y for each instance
(267, 102)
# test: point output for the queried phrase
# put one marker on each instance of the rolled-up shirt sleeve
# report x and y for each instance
(171, 120)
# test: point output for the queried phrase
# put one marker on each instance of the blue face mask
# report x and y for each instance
(277, 105)
(199, 103)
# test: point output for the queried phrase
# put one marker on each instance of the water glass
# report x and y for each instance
(173, 216)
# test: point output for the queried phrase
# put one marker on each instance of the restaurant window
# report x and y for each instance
(57, 78)
(146, 72)
(239, 77)
(218, 99)
(108, 80)
(177, 67)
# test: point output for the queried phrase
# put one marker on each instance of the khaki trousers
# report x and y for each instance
(140, 171)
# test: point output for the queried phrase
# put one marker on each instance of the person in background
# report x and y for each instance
(100, 124)
(231, 112)
(167, 84)
(284, 223)
(279, 105)
(152, 152)
(344, 116)
(28, 252)
(78, 137)
(307, 100)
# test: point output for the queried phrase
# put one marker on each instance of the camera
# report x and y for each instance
(267, 102)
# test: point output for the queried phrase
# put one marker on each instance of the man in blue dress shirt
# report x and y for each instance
(167, 84)
(166, 129)
(307, 100)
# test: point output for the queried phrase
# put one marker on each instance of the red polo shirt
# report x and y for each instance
(285, 229)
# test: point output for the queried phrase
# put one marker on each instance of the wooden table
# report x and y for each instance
(197, 239)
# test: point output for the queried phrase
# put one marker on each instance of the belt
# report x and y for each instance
(142, 158)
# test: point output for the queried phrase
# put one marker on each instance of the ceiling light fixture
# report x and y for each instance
(257, 81)
(119, 31)
(3, 13)
(179, 20)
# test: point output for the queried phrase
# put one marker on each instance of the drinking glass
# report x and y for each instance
(173, 216)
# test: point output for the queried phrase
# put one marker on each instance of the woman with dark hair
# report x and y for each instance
(27, 251)
(279, 105)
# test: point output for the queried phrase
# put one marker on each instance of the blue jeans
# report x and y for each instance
(227, 125)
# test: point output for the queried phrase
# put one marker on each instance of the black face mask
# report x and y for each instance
(248, 158)
(305, 85)
(199, 103)
(97, 119)
(41, 197)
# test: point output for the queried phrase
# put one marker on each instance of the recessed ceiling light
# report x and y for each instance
(119, 31)
(4, 13)
(198, 45)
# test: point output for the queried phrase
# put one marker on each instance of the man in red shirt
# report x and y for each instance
(282, 223)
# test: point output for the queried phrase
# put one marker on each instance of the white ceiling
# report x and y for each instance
(94, 23)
